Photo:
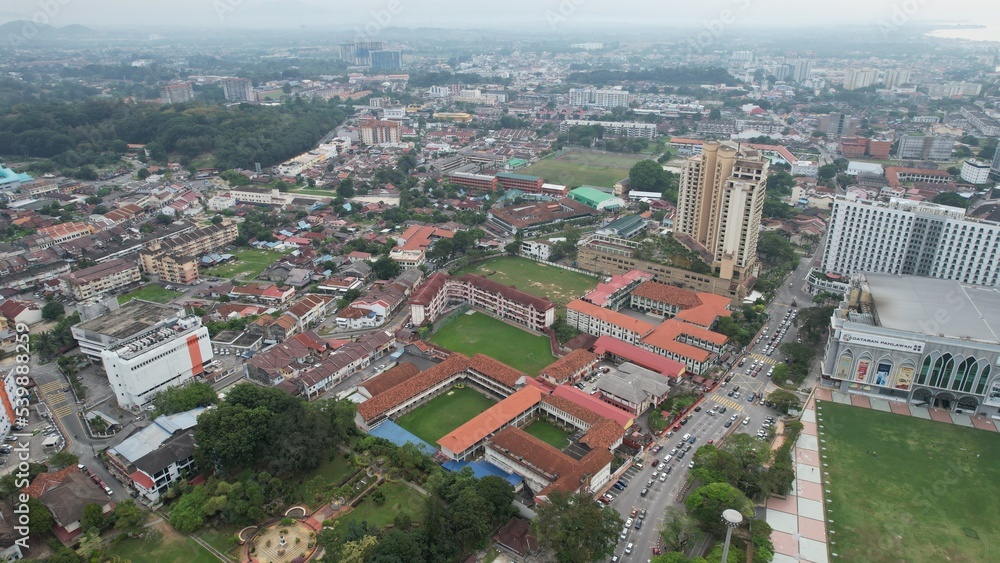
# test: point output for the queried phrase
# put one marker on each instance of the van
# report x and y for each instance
(686, 437)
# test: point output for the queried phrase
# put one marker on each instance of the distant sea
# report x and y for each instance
(986, 33)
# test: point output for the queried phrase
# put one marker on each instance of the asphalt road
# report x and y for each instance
(704, 426)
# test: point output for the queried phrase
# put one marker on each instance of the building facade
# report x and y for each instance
(976, 171)
(719, 205)
(175, 259)
(911, 238)
(238, 90)
(586, 97)
(925, 147)
(177, 93)
(377, 131)
(95, 281)
(928, 342)
(439, 292)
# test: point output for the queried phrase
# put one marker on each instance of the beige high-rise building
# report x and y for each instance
(719, 205)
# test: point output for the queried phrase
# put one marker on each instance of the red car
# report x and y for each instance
(656, 551)
(656, 462)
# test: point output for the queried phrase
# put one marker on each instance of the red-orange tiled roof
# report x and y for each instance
(379, 404)
(496, 370)
(612, 317)
(568, 365)
(663, 293)
(491, 420)
(567, 473)
(390, 378)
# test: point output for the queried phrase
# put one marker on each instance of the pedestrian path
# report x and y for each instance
(897, 407)
(726, 402)
(797, 520)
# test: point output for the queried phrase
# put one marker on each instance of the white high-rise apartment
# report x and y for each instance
(856, 78)
(584, 97)
(719, 204)
(911, 238)
(238, 90)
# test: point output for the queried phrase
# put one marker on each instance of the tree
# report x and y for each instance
(53, 311)
(678, 528)
(706, 504)
(90, 543)
(143, 173)
(575, 528)
(951, 199)
(647, 176)
(358, 551)
(400, 547)
(715, 114)
(93, 517)
(827, 171)
(775, 249)
(386, 268)
(784, 400)
(127, 516)
(39, 518)
(164, 219)
(62, 459)
(179, 399)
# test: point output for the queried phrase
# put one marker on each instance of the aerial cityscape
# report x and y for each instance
(567, 281)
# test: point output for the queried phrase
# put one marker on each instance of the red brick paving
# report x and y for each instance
(824, 395)
(812, 529)
(861, 401)
(984, 423)
(899, 408)
(941, 416)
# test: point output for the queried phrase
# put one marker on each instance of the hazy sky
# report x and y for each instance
(563, 14)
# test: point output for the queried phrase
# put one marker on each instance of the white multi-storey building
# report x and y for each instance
(911, 238)
(617, 128)
(976, 171)
(584, 97)
(145, 348)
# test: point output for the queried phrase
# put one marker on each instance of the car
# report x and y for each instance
(642, 514)
(710, 442)
(691, 465)
(734, 417)
(649, 483)
(657, 448)
(628, 549)
(743, 360)
(681, 455)
(728, 423)
(692, 439)
(730, 394)
(108, 491)
(655, 463)
(723, 385)
(687, 448)
(746, 421)
(685, 438)
(722, 410)
(623, 483)
(711, 412)
(615, 559)
(663, 476)
(628, 523)
(656, 550)
(667, 472)
(736, 395)
(624, 533)
(736, 388)
(638, 524)
(656, 474)
(697, 409)
(669, 457)
(619, 486)
(673, 452)
(642, 494)
(750, 399)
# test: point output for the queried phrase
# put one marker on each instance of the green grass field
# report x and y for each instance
(399, 498)
(248, 264)
(150, 292)
(548, 433)
(171, 547)
(932, 486)
(479, 333)
(444, 413)
(332, 472)
(555, 284)
(578, 167)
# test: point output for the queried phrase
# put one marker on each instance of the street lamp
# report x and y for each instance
(732, 519)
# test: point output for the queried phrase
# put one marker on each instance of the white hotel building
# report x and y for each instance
(911, 238)
(145, 348)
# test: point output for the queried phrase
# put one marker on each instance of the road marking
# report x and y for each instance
(63, 411)
(763, 358)
(727, 402)
(51, 386)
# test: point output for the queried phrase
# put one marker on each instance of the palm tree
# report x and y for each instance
(45, 344)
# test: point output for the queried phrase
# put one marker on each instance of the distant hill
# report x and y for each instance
(17, 32)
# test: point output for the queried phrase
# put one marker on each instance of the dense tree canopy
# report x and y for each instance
(180, 399)
(576, 529)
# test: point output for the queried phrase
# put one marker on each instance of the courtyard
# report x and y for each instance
(444, 413)
(555, 284)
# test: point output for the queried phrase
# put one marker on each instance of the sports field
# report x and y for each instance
(479, 333)
(555, 284)
(548, 433)
(578, 167)
(929, 495)
(150, 292)
(444, 413)
(247, 264)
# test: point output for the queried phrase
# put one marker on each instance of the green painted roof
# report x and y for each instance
(591, 194)
(502, 175)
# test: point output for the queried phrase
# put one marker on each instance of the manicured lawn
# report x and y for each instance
(218, 537)
(932, 486)
(150, 292)
(479, 333)
(399, 498)
(172, 547)
(548, 433)
(555, 284)
(332, 472)
(579, 167)
(444, 413)
(248, 264)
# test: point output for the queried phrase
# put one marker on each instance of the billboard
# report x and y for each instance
(882, 342)
(844, 366)
(862, 374)
(904, 378)
(882, 373)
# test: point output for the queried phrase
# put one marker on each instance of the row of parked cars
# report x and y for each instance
(95, 479)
